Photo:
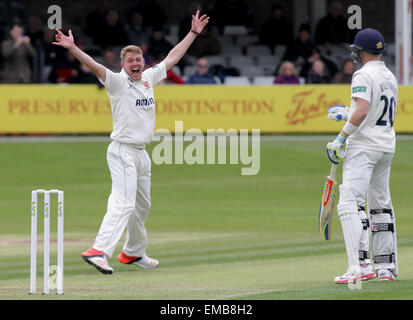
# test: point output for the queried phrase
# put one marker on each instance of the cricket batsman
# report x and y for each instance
(370, 145)
(133, 110)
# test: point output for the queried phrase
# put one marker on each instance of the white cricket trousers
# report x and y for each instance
(366, 174)
(129, 201)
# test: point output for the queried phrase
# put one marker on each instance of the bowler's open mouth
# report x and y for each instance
(135, 71)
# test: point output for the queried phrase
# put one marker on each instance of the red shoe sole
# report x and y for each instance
(368, 276)
(125, 259)
(348, 281)
(386, 279)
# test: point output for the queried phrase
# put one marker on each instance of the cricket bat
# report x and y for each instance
(325, 214)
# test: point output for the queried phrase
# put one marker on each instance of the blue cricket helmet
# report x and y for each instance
(369, 40)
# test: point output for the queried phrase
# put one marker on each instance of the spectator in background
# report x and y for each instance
(66, 70)
(2, 26)
(202, 75)
(18, 54)
(231, 12)
(52, 55)
(301, 48)
(2, 31)
(221, 72)
(332, 29)
(13, 12)
(206, 44)
(158, 46)
(35, 32)
(185, 24)
(154, 13)
(346, 73)
(287, 74)
(318, 73)
(110, 60)
(148, 58)
(277, 29)
(2, 23)
(184, 28)
(96, 19)
(84, 76)
(135, 30)
(171, 76)
(316, 55)
(112, 33)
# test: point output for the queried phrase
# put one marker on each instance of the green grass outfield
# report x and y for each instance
(217, 234)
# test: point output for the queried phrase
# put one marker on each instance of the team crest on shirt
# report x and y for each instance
(146, 85)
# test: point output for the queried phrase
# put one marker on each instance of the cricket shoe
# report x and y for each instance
(385, 275)
(348, 277)
(367, 272)
(144, 262)
(97, 259)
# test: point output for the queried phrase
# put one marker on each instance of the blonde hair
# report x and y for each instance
(281, 71)
(130, 48)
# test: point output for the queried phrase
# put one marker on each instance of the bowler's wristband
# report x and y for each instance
(349, 128)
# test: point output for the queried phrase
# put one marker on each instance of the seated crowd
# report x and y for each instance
(26, 47)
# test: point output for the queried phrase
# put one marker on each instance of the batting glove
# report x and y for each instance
(336, 150)
(338, 113)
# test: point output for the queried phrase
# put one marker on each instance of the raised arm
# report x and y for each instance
(176, 54)
(68, 43)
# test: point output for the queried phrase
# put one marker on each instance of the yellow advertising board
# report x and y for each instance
(272, 109)
(54, 109)
(281, 108)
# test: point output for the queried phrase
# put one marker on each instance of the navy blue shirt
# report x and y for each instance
(201, 79)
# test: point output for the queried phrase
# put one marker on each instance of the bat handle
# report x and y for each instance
(333, 171)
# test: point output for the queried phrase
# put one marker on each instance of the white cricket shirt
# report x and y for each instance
(376, 84)
(133, 104)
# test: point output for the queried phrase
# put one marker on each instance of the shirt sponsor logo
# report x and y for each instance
(146, 85)
(144, 102)
(359, 89)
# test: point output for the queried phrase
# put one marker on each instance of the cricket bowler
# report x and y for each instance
(133, 110)
(370, 145)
